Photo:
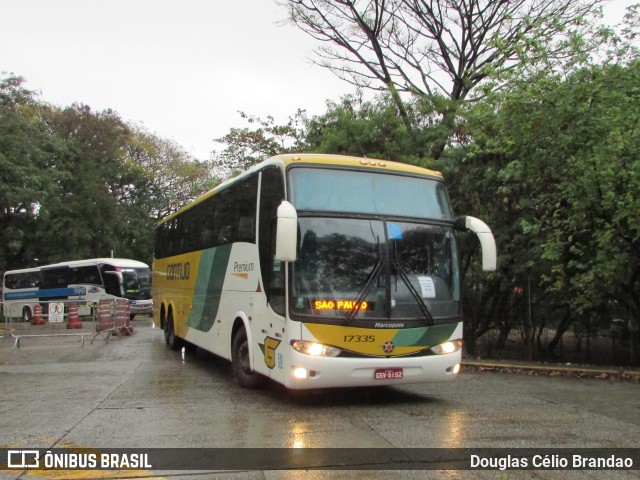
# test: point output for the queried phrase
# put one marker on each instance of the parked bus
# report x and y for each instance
(84, 281)
(318, 271)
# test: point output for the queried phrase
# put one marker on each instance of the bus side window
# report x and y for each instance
(246, 226)
(272, 194)
(275, 293)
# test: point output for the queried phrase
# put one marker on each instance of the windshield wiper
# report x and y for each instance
(373, 276)
(414, 293)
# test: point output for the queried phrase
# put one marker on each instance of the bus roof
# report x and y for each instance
(353, 162)
(289, 159)
(117, 262)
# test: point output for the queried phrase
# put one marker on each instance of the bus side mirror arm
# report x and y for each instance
(286, 232)
(487, 242)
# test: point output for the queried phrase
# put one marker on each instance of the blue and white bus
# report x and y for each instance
(84, 281)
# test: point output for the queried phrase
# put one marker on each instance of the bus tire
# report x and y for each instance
(170, 335)
(27, 314)
(240, 364)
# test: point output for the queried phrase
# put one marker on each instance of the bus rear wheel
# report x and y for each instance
(170, 335)
(240, 364)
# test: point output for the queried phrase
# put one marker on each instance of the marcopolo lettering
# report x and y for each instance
(178, 271)
(389, 325)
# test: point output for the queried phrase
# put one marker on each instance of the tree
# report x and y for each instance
(361, 128)
(351, 126)
(561, 159)
(261, 139)
(28, 179)
(441, 49)
(84, 217)
(170, 177)
(79, 183)
(520, 155)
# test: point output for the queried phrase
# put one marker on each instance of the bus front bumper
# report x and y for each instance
(141, 307)
(305, 371)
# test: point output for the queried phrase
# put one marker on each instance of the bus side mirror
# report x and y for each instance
(487, 242)
(286, 233)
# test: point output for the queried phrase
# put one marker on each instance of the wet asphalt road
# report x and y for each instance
(134, 392)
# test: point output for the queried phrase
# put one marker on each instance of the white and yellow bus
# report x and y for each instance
(319, 271)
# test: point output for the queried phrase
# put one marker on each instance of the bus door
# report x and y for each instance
(113, 284)
(270, 301)
(269, 311)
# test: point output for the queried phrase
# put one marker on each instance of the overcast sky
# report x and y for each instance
(181, 68)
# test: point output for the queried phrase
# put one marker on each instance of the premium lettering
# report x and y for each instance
(243, 267)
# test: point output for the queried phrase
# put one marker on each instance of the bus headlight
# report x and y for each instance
(315, 349)
(447, 347)
(299, 373)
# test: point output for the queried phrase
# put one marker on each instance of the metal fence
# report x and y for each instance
(67, 318)
(614, 347)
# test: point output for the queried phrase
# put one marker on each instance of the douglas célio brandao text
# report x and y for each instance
(550, 462)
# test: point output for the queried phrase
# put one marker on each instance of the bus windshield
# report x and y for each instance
(360, 263)
(373, 270)
(136, 283)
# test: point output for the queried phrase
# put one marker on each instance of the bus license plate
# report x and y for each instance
(388, 373)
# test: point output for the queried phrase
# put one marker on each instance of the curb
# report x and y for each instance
(552, 370)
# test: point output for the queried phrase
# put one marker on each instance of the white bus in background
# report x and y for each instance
(84, 281)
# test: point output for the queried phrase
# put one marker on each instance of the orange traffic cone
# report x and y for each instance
(74, 318)
(37, 318)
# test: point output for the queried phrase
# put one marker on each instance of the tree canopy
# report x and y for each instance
(442, 48)
(79, 183)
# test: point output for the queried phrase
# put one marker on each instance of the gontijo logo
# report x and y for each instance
(178, 271)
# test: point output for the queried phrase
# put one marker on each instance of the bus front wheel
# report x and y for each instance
(240, 362)
(170, 335)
